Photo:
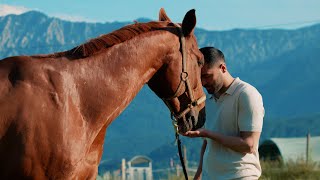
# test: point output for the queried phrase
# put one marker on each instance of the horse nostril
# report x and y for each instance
(194, 103)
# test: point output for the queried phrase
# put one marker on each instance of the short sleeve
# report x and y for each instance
(251, 110)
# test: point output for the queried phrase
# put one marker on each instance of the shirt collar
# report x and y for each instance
(230, 90)
(233, 86)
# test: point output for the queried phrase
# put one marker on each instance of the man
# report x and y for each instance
(234, 122)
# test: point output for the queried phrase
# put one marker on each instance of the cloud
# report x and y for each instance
(73, 18)
(7, 9)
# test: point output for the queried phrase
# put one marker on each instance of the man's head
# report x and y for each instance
(214, 70)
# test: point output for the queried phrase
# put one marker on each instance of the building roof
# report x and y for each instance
(140, 160)
(290, 148)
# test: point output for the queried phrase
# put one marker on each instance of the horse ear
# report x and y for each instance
(163, 16)
(189, 22)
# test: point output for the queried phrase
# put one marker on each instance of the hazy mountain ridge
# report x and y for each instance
(282, 64)
(244, 48)
(35, 33)
(289, 82)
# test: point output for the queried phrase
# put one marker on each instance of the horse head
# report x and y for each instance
(178, 82)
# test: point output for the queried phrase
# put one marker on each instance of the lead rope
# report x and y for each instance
(175, 125)
(181, 157)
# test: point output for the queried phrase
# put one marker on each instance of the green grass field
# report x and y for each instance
(272, 170)
(297, 169)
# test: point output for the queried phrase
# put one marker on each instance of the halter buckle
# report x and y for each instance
(184, 76)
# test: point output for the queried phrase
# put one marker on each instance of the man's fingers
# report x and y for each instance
(192, 133)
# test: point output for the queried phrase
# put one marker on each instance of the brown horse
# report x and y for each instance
(54, 109)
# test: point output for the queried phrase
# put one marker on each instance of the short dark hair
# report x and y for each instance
(212, 55)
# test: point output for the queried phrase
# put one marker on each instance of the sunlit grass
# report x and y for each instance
(293, 169)
(271, 170)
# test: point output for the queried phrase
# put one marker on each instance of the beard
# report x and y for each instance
(215, 88)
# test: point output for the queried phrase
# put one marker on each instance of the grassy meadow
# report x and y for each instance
(271, 170)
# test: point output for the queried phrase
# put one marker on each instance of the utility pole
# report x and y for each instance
(308, 148)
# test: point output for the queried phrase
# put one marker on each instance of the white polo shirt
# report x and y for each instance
(240, 108)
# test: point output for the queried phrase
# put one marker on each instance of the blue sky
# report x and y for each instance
(211, 14)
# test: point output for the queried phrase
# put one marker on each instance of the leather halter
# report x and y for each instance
(193, 103)
(183, 80)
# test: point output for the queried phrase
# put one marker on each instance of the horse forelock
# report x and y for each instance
(118, 36)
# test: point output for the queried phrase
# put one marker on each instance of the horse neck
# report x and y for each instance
(113, 78)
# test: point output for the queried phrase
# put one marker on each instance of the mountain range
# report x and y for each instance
(282, 64)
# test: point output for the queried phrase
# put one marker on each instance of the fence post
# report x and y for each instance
(185, 157)
(178, 170)
(123, 169)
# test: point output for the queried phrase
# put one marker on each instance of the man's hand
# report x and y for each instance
(245, 143)
(197, 133)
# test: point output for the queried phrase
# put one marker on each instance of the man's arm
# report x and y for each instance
(246, 143)
(199, 170)
(250, 119)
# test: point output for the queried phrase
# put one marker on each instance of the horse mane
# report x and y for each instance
(107, 40)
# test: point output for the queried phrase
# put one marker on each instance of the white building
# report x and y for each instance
(138, 168)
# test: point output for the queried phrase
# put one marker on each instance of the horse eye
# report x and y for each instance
(200, 63)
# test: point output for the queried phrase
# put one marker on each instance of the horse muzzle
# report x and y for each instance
(193, 120)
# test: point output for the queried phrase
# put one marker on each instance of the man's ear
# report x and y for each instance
(189, 22)
(223, 67)
(163, 15)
